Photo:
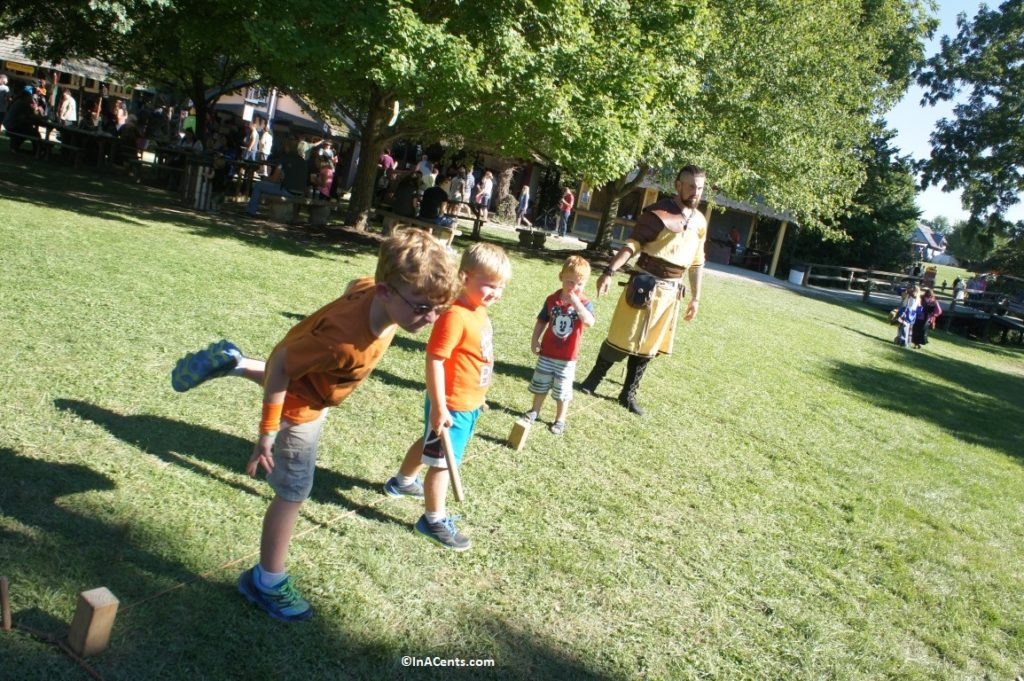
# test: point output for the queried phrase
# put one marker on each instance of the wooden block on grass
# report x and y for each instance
(520, 431)
(94, 618)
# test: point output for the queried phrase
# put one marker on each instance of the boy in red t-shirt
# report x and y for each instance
(460, 361)
(315, 367)
(556, 341)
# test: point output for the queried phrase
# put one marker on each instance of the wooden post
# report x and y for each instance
(806, 281)
(778, 248)
(5, 604)
(520, 431)
(849, 281)
(94, 618)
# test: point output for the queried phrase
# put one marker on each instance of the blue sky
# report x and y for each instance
(914, 122)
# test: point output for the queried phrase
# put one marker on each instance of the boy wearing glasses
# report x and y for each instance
(315, 367)
(460, 361)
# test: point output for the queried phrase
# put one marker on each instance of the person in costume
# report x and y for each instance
(669, 236)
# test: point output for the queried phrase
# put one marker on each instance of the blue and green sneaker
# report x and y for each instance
(213, 361)
(281, 601)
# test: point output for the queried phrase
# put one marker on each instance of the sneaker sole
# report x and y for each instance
(220, 353)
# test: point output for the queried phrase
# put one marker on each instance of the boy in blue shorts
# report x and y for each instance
(460, 362)
(315, 367)
(556, 341)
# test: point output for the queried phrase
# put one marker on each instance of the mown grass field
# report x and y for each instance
(803, 499)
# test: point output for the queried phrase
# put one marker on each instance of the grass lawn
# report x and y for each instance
(803, 499)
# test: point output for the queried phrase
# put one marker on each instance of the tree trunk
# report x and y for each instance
(604, 229)
(366, 172)
(616, 190)
(505, 181)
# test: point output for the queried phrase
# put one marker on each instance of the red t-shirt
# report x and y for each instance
(561, 339)
(567, 201)
(463, 337)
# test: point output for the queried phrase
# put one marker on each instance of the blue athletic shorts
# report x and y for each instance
(463, 423)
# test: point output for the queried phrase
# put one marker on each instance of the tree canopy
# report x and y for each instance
(883, 214)
(981, 149)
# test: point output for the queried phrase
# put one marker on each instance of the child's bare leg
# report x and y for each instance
(561, 409)
(538, 402)
(413, 461)
(253, 369)
(278, 524)
(435, 489)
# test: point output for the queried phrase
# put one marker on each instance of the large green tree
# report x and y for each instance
(980, 150)
(787, 97)
(521, 78)
(875, 231)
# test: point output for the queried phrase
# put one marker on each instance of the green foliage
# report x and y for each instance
(980, 150)
(882, 216)
(1009, 258)
(191, 47)
(971, 245)
(787, 96)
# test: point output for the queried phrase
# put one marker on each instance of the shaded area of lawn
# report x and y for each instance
(984, 408)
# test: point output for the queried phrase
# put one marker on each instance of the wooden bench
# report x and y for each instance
(532, 238)
(286, 209)
(41, 147)
(393, 221)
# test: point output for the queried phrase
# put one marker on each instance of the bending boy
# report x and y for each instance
(315, 367)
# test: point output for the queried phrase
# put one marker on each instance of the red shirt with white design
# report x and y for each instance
(561, 339)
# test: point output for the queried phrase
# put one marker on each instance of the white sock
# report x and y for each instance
(266, 579)
(404, 481)
(435, 517)
(239, 369)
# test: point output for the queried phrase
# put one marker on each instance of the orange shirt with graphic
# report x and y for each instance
(330, 353)
(463, 337)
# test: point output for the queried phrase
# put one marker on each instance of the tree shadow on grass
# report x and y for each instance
(204, 629)
(182, 443)
(984, 410)
(114, 198)
(73, 546)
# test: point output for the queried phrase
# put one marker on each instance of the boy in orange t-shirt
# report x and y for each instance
(460, 362)
(315, 367)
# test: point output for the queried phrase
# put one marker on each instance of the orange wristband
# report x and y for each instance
(271, 419)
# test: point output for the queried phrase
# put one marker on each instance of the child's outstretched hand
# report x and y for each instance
(262, 455)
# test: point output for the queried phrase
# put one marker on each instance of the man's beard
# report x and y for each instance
(690, 202)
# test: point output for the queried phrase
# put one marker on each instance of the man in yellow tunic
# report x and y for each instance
(669, 236)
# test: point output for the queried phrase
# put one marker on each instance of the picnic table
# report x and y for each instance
(85, 141)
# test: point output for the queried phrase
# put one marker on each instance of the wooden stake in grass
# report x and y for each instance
(453, 470)
(520, 431)
(94, 618)
(5, 604)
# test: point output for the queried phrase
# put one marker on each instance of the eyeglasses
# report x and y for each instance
(420, 308)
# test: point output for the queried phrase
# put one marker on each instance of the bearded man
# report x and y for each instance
(669, 236)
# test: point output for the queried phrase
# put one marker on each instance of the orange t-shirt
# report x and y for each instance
(463, 337)
(330, 353)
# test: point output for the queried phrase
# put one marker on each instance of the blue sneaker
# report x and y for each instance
(214, 361)
(444, 533)
(282, 601)
(393, 489)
